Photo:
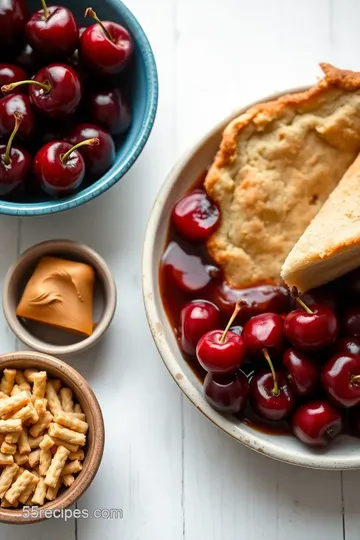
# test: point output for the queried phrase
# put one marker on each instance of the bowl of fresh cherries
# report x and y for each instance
(276, 370)
(78, 98)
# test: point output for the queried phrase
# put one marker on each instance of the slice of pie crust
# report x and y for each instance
(276, 166)
(330, 246)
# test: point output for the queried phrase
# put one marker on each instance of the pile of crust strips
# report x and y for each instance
(42, 435)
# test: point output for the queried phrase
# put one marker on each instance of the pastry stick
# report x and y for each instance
(71, 422)
(44, 421)
(39, 387)
(7, 477)
(29, 490)
(11, 404)
(40, 492)
(66, 398)
(18, 486)
(7, 381)
(23, 442)
(22, 382)
(51, 492)
(45, 461)
(68, 435)
(10, 426)
(57, 465)
(52, 397)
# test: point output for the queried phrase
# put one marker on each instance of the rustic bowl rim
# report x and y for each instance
(157, 321)
(43, 249)
(96, 445)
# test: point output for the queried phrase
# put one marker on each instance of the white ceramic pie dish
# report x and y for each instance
(344, 452)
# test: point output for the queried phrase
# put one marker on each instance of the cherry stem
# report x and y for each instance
(232, 318)
(6, 88)
(45, 9)
(18, 119)
(87, 142)
(295, 293)
(89, 12)
(275, 390)
(354, 378)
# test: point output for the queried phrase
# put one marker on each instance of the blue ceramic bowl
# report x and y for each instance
(143, 101)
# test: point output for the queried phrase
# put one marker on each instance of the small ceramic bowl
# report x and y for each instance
(44, 338)
(343, 453)
(144, 98)
(95, 438)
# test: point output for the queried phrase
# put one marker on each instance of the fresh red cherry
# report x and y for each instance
(221, 351)
(187, 271)
(311, 329)
(302, 372)
(341, 379)
(59, 167)
(97, 160)
(324, 295)
(55, 90)
(105, 47)
(347, 345)
(110, 110)
(351, 322)
(227, 394)
(195, 217)
(8, 106)
(317, 423)
(53, 31)
(271, 396)
(197, 318)
(13, 17)
(10, 73)
(15, 163)
(263, 332)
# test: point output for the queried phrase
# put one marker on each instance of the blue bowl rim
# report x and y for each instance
(111, 178)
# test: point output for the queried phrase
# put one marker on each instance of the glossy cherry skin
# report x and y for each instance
(311, 331)
(337, 379)
(347, 345)
(263, 400)
(227, 394)
(195, 217)
(351, 322)
(98, 159)
(15, 173)
(102, 55)
(302, 372)
(20, 103)
(10, 73)
(110, 110)
(196, 319)
(65, 93)
(263, 332)
(56, 36)
(13, 17)
(317, 423)
(220, 358)
(54, 176)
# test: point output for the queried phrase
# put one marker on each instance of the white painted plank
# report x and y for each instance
(231, 52)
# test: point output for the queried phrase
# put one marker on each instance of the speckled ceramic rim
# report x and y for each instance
(156, 316)
(110, 178)
(103, 274)
(96, 434)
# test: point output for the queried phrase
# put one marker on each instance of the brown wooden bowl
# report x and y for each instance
(95, 443)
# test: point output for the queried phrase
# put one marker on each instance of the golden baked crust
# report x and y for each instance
(276, 166)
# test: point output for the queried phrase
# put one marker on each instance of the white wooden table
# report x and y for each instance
(172, 472)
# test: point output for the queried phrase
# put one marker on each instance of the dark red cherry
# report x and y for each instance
(100, 159)
(197, 318)
(59, 167)
(302, 372)
(311, 329)
(347, 345)
(271, 396)
(341, 379)
(13, 17)
(227, 394)
(195, 217)
(8, 106)
(262, 299)
(15, 163)
(350, 323)
(55, 90)
(263, 332)
(28, 61)
(105, 47)
(10, 73)
(220, 351)
(53, 32)
(317, 423)
(110, 110)
(324, 295)
(351, 283)
(187, 271)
